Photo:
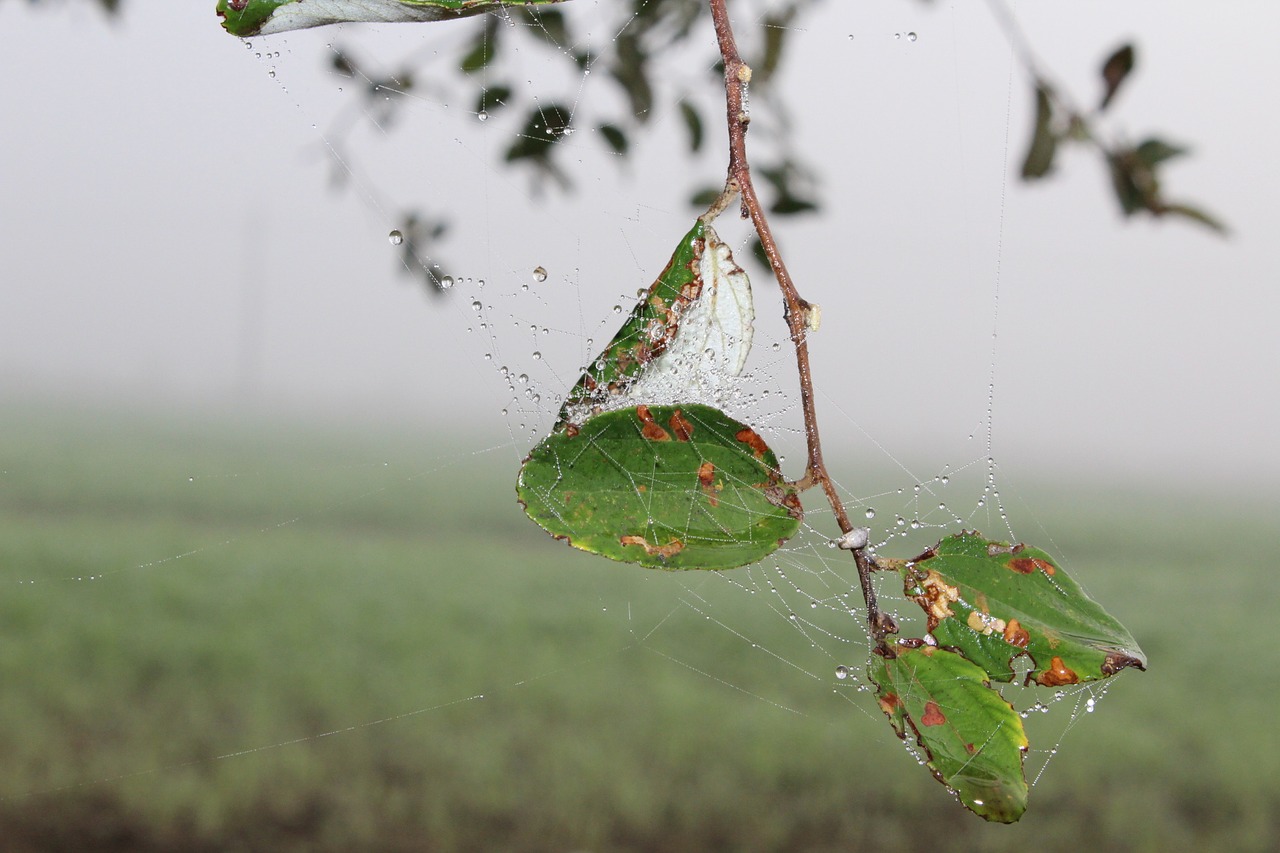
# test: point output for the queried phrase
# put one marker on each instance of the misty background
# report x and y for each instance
(171, 239)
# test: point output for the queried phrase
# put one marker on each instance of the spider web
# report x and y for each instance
(530, 294)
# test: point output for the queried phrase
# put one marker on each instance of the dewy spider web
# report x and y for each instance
(529, 301)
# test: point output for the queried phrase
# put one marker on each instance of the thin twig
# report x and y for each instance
(797, 311)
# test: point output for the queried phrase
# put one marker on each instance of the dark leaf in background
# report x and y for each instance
(705, 196)
(1114, 72)
(1044, 142)
(692, 123)
(631, 71)
(535, 142)
(483, 49)
(1153, 151)
(615, 137)
(493, 98)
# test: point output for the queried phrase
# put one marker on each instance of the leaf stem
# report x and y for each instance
(797, 311)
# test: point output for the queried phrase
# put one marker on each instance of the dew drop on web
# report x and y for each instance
(395, 238)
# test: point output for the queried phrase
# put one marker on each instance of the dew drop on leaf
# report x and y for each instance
(396, 238)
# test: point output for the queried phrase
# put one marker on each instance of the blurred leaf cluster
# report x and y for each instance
(1135, 168)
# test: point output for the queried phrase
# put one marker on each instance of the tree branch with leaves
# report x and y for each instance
(644, 466)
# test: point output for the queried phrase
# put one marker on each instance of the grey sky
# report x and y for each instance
(169, 232)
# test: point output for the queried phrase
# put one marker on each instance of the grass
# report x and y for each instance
(298, 586)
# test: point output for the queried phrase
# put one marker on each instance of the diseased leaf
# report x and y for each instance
(972, 738)
(1044, 142)
(993, 602)
(264, 17)
(684, 341)
(668, 487)
(1114, 72)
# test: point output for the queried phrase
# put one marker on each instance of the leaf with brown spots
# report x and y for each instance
(993, 602)
(703, 501)
(973, 740)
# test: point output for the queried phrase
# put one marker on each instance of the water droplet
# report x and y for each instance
(617, 309)
(537, 356)
(945, 480)
(776, 347)
(396, 238)
(522, 378)
(911, 36)
(271, 72)
(1089, 705)
(476, 306)
(483, 115)
(842, 672)
(539, 274)
(248, 45)
(870, 513)
(897, 35)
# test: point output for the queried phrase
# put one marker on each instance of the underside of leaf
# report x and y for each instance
(685, 341)
(264, 17)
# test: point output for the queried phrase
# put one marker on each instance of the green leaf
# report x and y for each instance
(994, 602)
(684, 340)
(668, 487)
(1114, 72)
(1044, 142)
(264, 17)
(972, 738)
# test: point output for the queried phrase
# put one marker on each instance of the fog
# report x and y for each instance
(171, 237)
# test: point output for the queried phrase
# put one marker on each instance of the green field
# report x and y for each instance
(183, 698)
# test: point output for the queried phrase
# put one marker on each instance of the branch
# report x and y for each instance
(801, 316)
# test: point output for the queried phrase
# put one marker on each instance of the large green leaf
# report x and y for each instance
(993, 602)
(972, 738)
(685, 339)
(670, 487)
(263, 17)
